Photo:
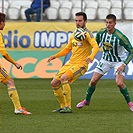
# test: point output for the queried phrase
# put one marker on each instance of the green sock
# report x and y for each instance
(89, 92)
(125, 93)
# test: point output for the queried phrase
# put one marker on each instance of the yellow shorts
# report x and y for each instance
(4, 76)
(73, 71)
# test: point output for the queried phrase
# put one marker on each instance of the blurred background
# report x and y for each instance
(65, 9)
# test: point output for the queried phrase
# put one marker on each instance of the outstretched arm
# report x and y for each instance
(10, 59)
(63, 52)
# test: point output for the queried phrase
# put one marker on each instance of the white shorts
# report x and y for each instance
(104, 66)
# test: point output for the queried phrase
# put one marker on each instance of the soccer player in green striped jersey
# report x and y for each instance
(114, 44)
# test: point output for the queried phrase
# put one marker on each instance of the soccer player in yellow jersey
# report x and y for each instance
(77, 65)
(5, 78)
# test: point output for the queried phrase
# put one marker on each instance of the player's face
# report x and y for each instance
(110, 25)
(2, 25)
(79, 21)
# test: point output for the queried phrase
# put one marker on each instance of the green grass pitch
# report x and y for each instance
(107, 113)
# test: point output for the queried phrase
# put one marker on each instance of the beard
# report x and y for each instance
(78, 26)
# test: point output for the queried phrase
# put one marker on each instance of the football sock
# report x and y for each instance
(89, 92)
(13, 94)
(125, 93)
(58, 92)
(67, 93)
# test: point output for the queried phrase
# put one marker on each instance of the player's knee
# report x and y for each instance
(93, 82)
(54, 84)
(10, 83)
(120, 84)
(64, 78)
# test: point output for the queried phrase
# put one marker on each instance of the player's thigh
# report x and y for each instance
(62, 71)
(55, 82)
(119, 76)
(76, 72)
(116, 66)
(4, 76)
(72, 71)
(95, 78)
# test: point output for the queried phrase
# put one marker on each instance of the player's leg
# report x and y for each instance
(72, 74)
(13, 94)
(122, 86)
(66, 86)
(92, 85)
(100, 70)
(90, 90)
(123, 89)
(58, 92)
(58, 89)
(67, 94)
(63, 93)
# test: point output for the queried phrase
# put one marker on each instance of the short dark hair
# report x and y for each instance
(2, 17)
(111, 16)
(82, 14)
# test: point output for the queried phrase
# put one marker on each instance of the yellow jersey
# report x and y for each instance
(80, 49)
(3, 51)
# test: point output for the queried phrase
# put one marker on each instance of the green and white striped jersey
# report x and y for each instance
(115, 46)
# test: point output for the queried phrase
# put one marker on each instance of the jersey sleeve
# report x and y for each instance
(98, 36)
(93, 43)
(127, 45)
(66, 50)
(4, 52)
(2, 46)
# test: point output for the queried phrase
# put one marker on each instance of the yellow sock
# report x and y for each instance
(58, 92)
(13, 94)
(67, 93)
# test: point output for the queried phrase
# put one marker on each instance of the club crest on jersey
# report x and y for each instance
(107, 46)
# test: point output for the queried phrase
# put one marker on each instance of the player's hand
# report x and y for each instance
(51, 58)
(121, 69)
(18, 66)
(88, 60)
